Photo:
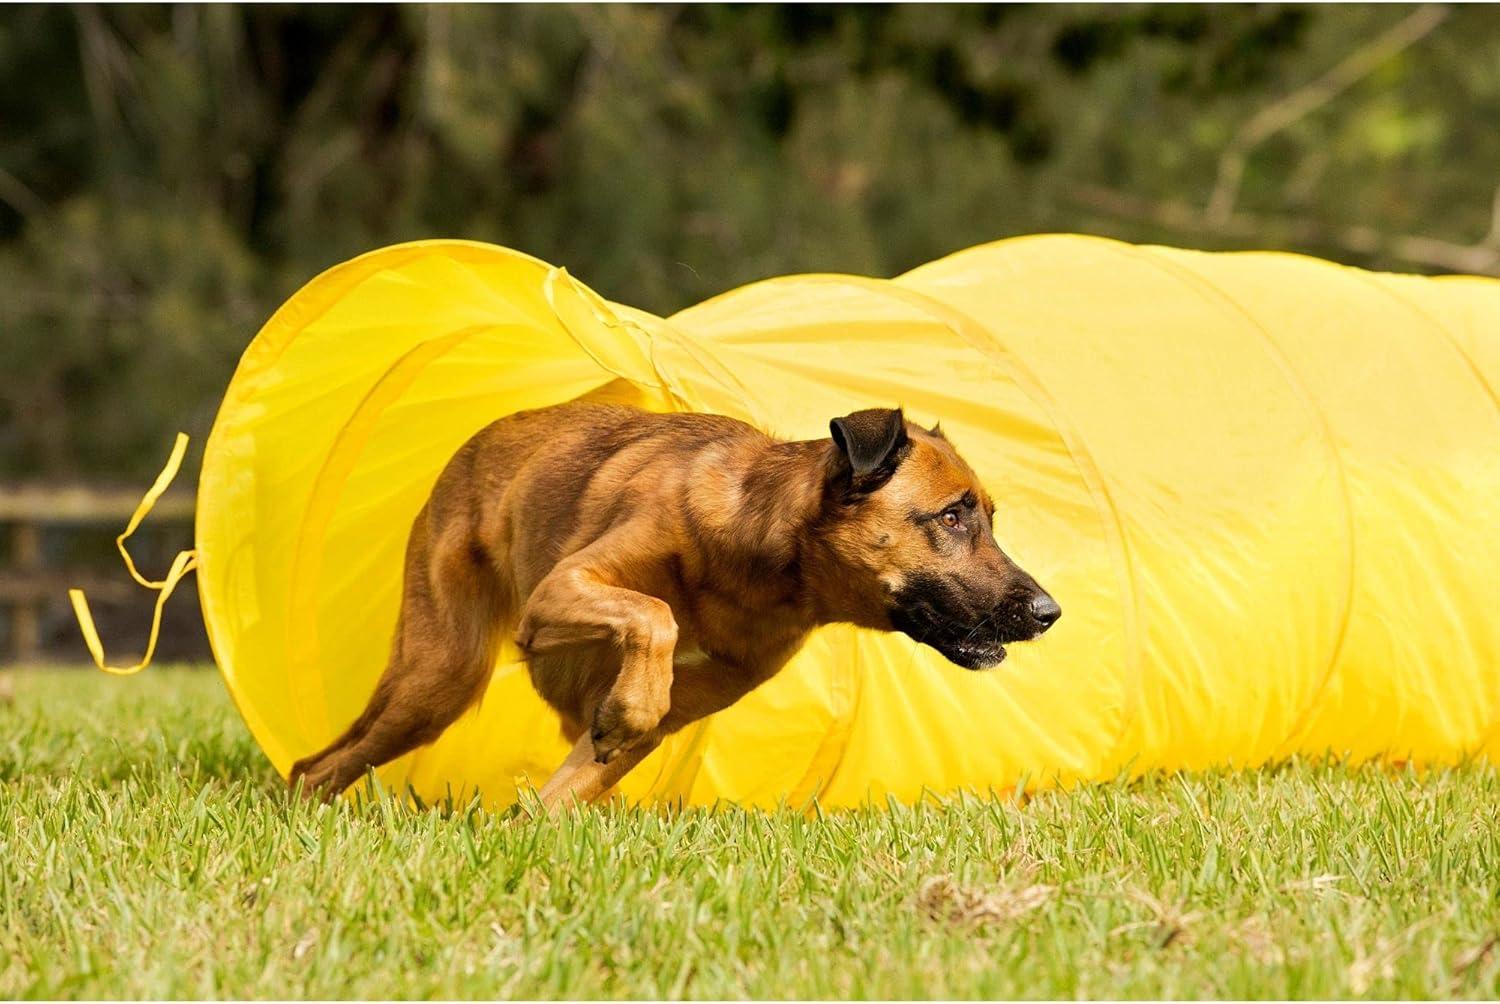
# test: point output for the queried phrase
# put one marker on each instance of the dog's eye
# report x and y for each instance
(952, 520)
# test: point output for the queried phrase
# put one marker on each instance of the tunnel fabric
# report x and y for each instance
(1263, 487)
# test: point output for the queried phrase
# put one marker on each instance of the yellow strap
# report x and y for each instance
(184, 563)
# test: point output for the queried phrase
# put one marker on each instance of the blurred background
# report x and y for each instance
(170, 174)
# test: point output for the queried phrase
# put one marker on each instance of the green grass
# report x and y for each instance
(147, 850)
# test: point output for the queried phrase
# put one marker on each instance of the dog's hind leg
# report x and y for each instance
(441, 659)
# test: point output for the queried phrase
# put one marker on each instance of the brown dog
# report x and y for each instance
(656, 568)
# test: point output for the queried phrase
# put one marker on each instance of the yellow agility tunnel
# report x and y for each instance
(1264, 488)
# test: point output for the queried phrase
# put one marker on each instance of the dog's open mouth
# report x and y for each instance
(928, 611)
(968, 647)
(972, 654)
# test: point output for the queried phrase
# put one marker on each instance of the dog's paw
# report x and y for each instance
(619, 727)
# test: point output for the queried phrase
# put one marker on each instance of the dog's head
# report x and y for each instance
(909, 527)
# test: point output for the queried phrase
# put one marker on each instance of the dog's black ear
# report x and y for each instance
(872, 443)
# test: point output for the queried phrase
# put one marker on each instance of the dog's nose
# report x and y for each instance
(1045, 610)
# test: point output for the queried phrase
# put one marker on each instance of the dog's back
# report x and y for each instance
(534, 487)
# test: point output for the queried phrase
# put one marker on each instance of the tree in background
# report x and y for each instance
(168, 175)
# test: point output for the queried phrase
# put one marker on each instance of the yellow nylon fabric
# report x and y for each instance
(1264, 488)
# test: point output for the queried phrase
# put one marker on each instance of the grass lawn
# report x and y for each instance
(147, 850)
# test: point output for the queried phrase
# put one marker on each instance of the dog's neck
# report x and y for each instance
(784, 499)
(781, 495)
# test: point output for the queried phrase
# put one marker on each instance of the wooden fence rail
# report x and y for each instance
(27, 584)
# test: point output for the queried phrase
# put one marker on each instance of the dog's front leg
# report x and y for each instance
(574, 605)
(582, 778)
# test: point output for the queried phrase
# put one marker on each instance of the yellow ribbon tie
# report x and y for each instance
(184, 563)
